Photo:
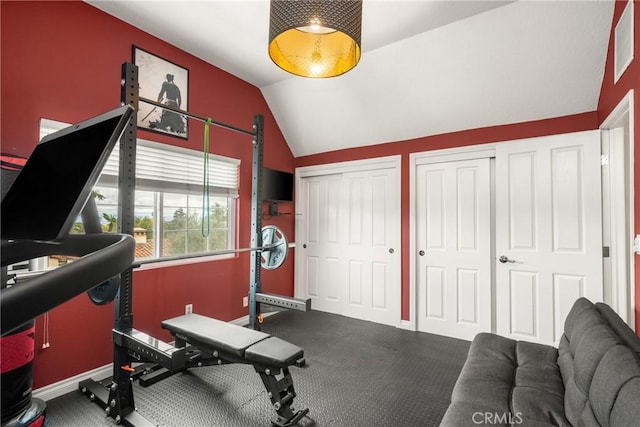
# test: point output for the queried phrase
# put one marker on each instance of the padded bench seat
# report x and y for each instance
(253, 346)
(274, 352)
(222, 335)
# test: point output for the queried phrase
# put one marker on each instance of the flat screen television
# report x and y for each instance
(50, 191)
(277, 186)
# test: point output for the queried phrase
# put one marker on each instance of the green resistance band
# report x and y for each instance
(205, 184)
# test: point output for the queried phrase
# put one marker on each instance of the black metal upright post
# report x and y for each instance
(256, 220)
(120, 400)
(126, 190)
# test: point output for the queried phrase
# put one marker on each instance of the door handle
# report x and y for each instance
(421, 253)
(304, 245)
(504, 259)
(391, 250)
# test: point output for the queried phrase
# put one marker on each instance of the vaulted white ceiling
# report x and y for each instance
(427, 67)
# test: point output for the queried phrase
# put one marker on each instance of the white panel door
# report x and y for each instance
(548, 232)
(371, 252)
(323, 263)
(350, 244)
(453, 226)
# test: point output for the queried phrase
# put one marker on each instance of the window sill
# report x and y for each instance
(182, 261)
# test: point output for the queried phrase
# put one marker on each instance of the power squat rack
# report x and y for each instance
(115, 395)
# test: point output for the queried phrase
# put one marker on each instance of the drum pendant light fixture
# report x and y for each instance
(313, 38)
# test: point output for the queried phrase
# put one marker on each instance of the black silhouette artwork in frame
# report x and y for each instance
(167, 83)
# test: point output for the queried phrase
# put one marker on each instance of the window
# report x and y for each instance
(171, 219)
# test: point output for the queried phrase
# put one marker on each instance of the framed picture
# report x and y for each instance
(165, 82)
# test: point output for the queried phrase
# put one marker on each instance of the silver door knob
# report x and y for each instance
(503, 259)
(421, 253)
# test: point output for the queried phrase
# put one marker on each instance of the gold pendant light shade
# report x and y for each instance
(311, 38)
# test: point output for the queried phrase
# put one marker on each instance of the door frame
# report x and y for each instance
(471, 152)
(389, 162)
(624, 302)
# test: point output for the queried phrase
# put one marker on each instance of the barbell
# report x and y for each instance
(273, 254)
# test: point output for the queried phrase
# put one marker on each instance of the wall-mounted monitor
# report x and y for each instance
(277, 186)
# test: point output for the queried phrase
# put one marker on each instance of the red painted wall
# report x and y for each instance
(62, 60)
(610, 96)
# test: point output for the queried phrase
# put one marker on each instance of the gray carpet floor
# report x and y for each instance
(357, 374)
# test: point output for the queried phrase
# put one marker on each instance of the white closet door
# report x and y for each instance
(322, 263)
(548, 232)
(349, 251)
(371, 252)
(453, 221)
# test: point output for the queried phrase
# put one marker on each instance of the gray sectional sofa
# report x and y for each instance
(591, 379)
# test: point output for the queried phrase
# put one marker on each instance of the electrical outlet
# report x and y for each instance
(188, 309)
(245, 301)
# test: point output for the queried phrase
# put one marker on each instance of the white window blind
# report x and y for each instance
(162, 167)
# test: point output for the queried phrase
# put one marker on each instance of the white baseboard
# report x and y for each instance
(241, 321)
(244, 321)
(68, 385)
(405, 324)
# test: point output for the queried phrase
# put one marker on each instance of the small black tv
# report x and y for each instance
(277, 186)
(53, 186)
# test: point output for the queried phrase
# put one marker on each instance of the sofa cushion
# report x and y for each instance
(621, 329)
(625, 409)
(598, 356)
(565, 360)
(494, 347)
(581, 318)
(479, 376)
(586, 340)
(592, 347)
(617, 367)
(490, 366)
(538, 391)
(538, 368)
(511, 381)
(579, 306)
(534, 404)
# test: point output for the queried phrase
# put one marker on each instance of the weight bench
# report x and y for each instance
(224, 342)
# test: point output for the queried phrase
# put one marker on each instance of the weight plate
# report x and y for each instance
(105, 292)
(278, 247)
